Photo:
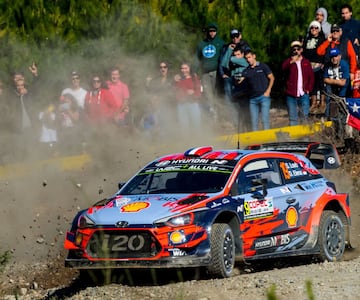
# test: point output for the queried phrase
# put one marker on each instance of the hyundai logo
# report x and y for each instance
(122, 224)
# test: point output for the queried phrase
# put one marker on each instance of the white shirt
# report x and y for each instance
(78, 94)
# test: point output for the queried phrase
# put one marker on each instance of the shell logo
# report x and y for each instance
(291, 217)
(135, 207)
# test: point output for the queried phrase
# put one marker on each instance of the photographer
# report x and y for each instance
(299, 83)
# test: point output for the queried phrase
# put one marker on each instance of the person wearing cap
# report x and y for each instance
(76, 90)
(299, 83)
(226, 54)
(350, 27)
(336, 76)
(335, 40)
(314, 38)
(208, 54)
(321, 16)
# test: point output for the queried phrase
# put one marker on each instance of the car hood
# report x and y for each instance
(142, 209)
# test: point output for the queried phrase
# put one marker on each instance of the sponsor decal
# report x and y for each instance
(176, 252)
(218, 203)
(258, 208)
(135, 206)
(291, 216)
(313, 185)
(274, 241)
(331, 160)
(121, 201)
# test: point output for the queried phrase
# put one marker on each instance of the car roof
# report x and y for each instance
(208, 152)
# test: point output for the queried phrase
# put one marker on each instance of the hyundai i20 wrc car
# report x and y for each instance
(210, 208)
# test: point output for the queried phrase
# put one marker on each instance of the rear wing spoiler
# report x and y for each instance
(322, 155)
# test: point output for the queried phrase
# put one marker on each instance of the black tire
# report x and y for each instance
(331, 239)
(222, 250)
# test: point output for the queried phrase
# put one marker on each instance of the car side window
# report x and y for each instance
(293, 171)
(249, 179)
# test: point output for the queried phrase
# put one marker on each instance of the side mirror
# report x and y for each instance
(120, 185)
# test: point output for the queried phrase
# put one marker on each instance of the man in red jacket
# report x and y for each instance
(336, 40)
(299, 83)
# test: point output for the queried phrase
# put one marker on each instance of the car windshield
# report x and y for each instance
(176, 182)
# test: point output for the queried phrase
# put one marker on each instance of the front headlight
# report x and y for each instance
(85, 222)
(180, 220)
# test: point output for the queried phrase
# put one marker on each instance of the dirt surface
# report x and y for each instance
(37, 209)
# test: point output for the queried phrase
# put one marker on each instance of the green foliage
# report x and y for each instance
(93, 35)
(4, 259)
(270, 294)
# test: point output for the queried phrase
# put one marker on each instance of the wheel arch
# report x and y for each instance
(233, 221)
(334, 205)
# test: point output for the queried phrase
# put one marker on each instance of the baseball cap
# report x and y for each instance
(335, 27)
(334, 52)
(234, 33)
(295, 44)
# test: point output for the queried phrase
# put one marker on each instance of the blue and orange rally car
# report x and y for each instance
(210, 208)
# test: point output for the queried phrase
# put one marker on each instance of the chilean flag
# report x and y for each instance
(353, 118)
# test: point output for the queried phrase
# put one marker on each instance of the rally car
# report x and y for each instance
(210, 208)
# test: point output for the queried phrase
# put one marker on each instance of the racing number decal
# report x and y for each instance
(124, 243)
(246, 208)
(285, 170)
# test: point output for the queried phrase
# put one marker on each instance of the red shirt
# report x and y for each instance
(99, 106)
(120, 92)
(188, 89)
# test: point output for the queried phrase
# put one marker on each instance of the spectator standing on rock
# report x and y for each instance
(336, 76)
(188, 92)
(321, 15)
(336, 40)
(121, 95)
(224, 67)
(99, 103)
(350, 27)
(314, 38)
(299, 84)
(76, 90)
(260, 80)
(208, 54)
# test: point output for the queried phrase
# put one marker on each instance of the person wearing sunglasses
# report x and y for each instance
(76, 90)
(336, 40)
(313, 39)
(299, 83)
(161, 83)
(208, 54)
(99, 103)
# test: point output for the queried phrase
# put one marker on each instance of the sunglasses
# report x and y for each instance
(235, 36)
(212, 30)
(332, 31)
(296, 48)
(317, 28)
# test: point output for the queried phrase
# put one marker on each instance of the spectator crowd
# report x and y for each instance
(224, 83)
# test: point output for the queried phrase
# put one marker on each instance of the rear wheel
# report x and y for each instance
(222, 251)
(331, 238)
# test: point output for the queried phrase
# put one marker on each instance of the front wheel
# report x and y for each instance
(331, 239)
(222, 250)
